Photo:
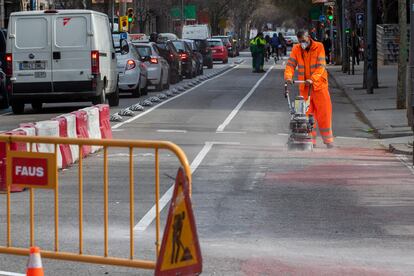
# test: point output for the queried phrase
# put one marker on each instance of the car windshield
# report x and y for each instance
(144, 51)
(179, 45)
(215, 43)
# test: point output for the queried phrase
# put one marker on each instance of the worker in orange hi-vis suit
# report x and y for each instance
(309, 57)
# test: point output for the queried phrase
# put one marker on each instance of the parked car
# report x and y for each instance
(196, 55)
(168, 51)
(228, 43)
(52, 57)
(163, 37)
(133, 73)
(205, 50)
(188, 63)
(158, 68)
(219, 50)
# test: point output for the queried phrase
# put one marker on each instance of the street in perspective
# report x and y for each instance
(206, 137)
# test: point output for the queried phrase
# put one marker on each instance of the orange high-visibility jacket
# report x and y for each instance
(311, 64)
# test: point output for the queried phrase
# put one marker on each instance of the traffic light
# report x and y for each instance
(330, 13)
(130, 14)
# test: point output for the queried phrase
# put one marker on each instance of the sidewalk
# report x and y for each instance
(379, 109)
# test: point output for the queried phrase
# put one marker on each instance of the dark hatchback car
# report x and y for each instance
(196, 55)
(169, 52)
(205, 50)
(4, 99)
(188, 62)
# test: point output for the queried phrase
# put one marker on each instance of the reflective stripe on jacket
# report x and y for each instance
(311, 64)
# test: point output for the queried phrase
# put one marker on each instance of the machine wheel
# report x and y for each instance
(18, 108)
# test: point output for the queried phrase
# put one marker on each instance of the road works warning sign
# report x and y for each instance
(31, 170)
(180, 251)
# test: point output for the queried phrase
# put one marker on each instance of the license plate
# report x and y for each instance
(33, 65)
(214, 51)
(40, 75)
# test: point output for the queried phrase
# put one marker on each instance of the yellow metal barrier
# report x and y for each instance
(80, 256)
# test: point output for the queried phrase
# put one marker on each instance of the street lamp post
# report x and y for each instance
(410, 107)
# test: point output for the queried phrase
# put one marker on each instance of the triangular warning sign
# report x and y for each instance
(180, 251)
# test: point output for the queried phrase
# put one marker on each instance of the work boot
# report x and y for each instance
(330, 146)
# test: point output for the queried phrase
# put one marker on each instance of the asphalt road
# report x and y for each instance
(260, 210)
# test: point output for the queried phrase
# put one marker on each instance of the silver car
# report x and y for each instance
(133, 72)
(158, 67)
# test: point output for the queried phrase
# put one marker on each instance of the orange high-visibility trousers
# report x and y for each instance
(321, 108)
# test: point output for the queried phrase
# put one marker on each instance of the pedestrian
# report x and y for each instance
(356, 46)
(282, 45)
(261, 47)
(309, 58)
(327, 45)
(268, 47)
(253, 51)
(275, 45)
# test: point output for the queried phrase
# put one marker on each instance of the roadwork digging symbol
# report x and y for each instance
(180, 250)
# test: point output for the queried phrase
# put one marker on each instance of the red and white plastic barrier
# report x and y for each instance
(51, 129)
(92, 122)
(82, 129)
(71, 132)
(93, 125)
(65, 150)
(104, 123)
(30, 130)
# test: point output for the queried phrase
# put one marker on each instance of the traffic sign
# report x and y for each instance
(322, 18)
(180, 252)
(31, 170)
(123, 24)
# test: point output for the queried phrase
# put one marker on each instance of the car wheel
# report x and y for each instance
(136, 93)
(144, 91)
(18, 108)
(167, 85)
(159, 85)
(113, 98)
(225, 61)
(37, 107)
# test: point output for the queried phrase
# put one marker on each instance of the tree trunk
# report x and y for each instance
(402, 58)
(338, 40)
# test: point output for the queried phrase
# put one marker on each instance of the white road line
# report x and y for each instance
(231, 132)
(6, 273)
(149, 217)
(169, 100)
(241, 103)
(171, 131)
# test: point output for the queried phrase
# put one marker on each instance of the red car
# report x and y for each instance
(218, 50)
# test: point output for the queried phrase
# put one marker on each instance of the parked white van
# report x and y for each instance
(201, 31)
(60, 56)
